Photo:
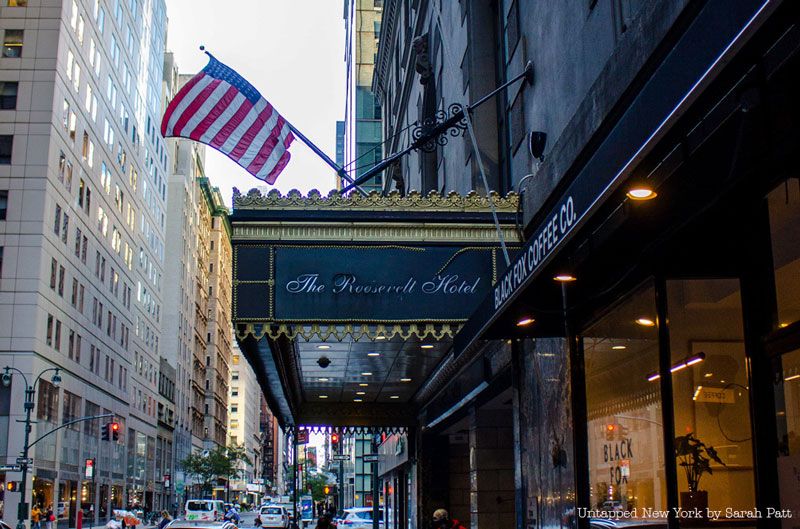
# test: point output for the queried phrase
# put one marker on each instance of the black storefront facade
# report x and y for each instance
(675, 319)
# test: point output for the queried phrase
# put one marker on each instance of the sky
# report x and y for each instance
(293, 53)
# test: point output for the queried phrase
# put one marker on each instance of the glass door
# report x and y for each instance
(787, 404)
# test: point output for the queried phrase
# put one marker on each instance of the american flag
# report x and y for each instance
(220, 108)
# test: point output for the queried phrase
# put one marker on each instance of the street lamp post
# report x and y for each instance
(30, 393)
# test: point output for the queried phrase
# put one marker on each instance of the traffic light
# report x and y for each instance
(12, 486)
(327, 490)
(335, 440)
(110, 431)
(611, 430)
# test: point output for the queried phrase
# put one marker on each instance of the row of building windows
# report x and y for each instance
(55, 330)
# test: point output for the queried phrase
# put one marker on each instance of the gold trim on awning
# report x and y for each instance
(340, 332)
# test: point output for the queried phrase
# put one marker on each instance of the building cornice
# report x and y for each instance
(393, 202)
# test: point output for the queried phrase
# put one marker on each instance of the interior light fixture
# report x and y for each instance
(645, 322)
(373, 354)
(366, 374)
(641, 192)
(361, 392)
(426, 346)
(363, 385)
(395, 397)
(324, 379)
(565, 278)
(618, 347)
(323, 346)
(682, 364)
(793, 377)
(358, 400)
(381, 337)
(708, 375)
(783, 325)
(697, 392)
(405, 380)
(525, 321)
(323, 396)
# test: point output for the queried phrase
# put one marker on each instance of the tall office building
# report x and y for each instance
(360, 136)
(197, 334)
(245, 428)
(82, 239)
(219, 335)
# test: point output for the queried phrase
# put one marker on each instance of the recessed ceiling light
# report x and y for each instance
(426, 346)
(405, 380)
(366, 374)
(525, 321)
(618, 347)
(783, 325)
(565, 278)
(645, 322)
(373, 354)
(358, 400)
(361, 392)
(395, 397)
(323, 396)
(363, 385)
(641, 193)
(323, 346)
(324, 379)
(708, 375)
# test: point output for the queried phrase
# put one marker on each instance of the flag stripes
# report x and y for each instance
(219, 108)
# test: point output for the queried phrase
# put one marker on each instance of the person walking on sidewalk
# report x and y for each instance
(36, 517)
(165, 520)
(50, 517)
(441, 520)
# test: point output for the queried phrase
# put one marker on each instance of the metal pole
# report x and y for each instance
(339, 170)
(294, 496)
(376, 512)
(22, 509)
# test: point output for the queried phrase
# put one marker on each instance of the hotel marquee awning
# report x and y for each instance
(344, 306)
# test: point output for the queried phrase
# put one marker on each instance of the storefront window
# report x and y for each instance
(784, 218)
(711, 396)
(626, 448)
(42, 492)
(787, 400)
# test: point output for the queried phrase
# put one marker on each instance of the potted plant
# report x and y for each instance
(695, 457)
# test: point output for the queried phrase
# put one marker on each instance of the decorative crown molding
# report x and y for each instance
(374, 201)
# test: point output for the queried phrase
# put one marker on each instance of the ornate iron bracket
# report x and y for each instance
(435, 131)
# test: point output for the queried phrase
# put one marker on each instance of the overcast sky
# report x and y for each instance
(292, 52)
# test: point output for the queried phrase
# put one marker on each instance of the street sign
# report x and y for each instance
(23, 461)
(372, 458)
(302, 437)
(341, 457)
(10, 468)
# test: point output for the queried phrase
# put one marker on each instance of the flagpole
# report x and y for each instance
(339, 170)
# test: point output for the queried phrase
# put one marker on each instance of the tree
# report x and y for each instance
(317, 482)
(210, 465)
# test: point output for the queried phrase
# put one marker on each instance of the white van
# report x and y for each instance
(210, 510)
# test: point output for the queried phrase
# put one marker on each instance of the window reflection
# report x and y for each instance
(787, 401)
(711, 396)
(626, 450)
(784, 218)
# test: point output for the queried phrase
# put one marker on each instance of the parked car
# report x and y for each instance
(358, 518)
(274, 516)
(200, 524)
(208, 510)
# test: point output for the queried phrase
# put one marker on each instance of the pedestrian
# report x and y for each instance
(36, 517)
(441, 520)
(257, 521)
(50, 517)
(165, 520)
(324, 523)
